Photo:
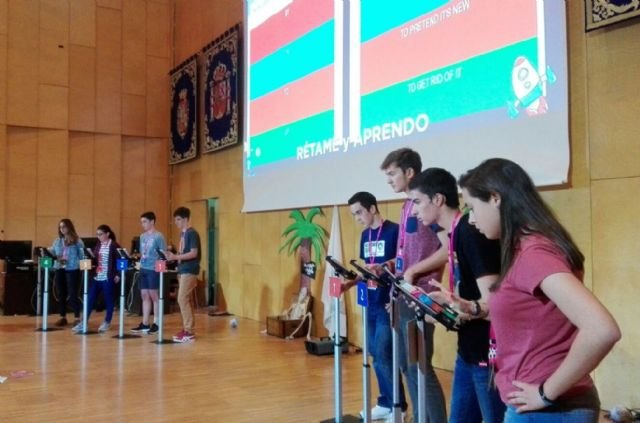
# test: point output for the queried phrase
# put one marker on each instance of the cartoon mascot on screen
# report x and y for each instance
(529, 88)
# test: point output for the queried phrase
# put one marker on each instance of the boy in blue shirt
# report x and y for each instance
(378, 244)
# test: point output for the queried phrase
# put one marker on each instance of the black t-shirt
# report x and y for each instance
(477, 257)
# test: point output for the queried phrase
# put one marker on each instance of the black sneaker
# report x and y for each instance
(154, 328)
(141, 328)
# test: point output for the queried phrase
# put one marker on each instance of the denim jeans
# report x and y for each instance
(381, 350)
(107, 292)
(436, 411)
(473, 399)
(578, 415)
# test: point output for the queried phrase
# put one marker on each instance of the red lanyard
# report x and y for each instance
(403, 226)
(372, 251)
(453, 262)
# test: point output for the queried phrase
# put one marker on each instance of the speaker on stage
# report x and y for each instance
(17, 286)
(324, 346)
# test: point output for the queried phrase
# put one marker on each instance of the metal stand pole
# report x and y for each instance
(366, 368)
(395, 340)
(39, 291)
(422, 382)
(46, 263)
(122, 265)
(161, 267)
(85, 266)
(337, 370)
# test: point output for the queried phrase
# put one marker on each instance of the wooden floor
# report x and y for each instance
(227, 375)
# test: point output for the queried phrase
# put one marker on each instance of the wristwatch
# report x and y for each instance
(547, 402)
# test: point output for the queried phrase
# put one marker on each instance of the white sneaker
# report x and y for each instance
(104, 327)
(378, 413)
(77, 328)
(390, 418)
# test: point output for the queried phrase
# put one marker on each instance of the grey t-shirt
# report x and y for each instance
(189, 240)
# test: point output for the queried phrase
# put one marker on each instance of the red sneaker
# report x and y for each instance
(184, 336)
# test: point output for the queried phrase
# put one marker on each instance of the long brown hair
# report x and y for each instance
(72, 236)
(522, 211)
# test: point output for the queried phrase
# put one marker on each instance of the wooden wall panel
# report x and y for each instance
(197, 24)
(108, 70)
(107, 181)
(81, 181)
(615, 272)
(81, 200)
(4, 11)
(579, 173)
(82, 23)
(52, 173)
(134, 48)
(3, 175)
(158, 30)
(82, 88)
(3, 147)
(157, 158)
(54, 42)
(53, 107)
(22, 72)
(134, 111)
(81, 147)
(156, 198)
(3, 79)
(133, 187)
(157, 97)
(54, 14)
(113, 4)
(613, 71)
(54, 57)
(21, 183)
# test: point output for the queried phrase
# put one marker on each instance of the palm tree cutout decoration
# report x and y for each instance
(309, 238)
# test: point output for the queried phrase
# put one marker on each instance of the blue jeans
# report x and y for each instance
(107, 292)
(473, 399)
(578, 415)
(436, 411)
(381, 349)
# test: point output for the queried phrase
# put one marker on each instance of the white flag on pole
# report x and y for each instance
(334, 250)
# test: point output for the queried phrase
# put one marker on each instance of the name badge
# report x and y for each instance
(371, 284)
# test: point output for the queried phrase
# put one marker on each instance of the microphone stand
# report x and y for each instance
(122, 264)
(85, 266)
(339, 270)
(161, 267)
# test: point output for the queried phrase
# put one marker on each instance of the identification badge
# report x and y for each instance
(371, 284)
(399, 264)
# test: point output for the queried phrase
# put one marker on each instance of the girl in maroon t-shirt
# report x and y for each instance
(551, 331)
